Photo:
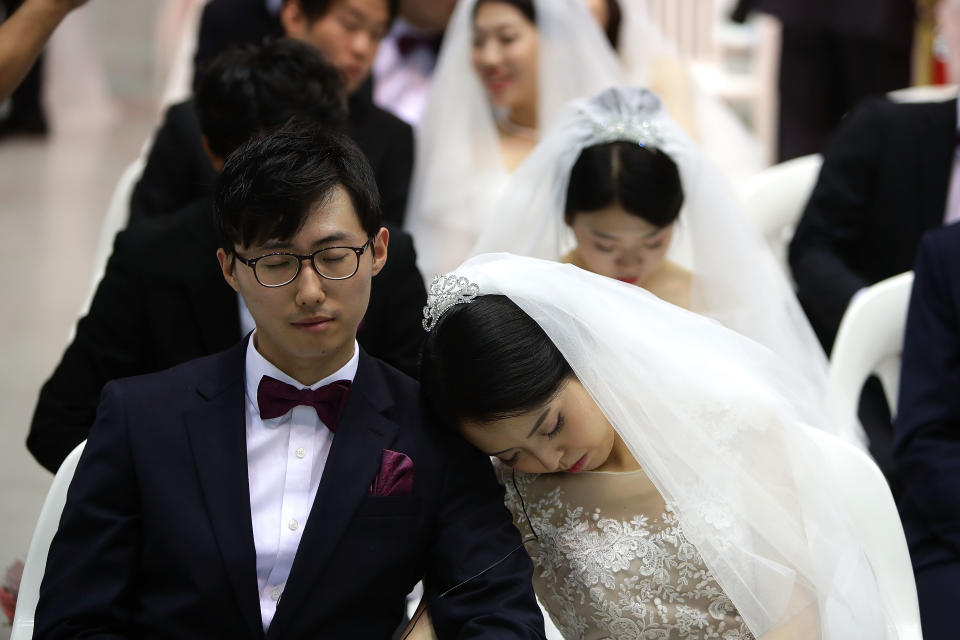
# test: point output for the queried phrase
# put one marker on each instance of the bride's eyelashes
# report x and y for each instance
(556, 428)
(603, 248)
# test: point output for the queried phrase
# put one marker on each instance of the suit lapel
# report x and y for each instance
(937, 162)
(218, 439)
(351, 467)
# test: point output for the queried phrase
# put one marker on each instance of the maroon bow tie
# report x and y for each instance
(407, 44)
(276, 398)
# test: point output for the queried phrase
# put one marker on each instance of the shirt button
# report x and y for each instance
(275, 594)
(301, 452)
(293, 524)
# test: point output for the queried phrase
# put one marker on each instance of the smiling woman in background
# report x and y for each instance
(506, 69)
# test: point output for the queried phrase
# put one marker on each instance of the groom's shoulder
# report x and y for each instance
(199, 378)
(402, 388)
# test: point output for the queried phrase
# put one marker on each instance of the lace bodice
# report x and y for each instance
(612, 561)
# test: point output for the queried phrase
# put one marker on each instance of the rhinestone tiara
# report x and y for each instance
(635, 129)
(634, 126)
(446, 291)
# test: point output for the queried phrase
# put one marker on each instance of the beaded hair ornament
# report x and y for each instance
(446, 291)
(635, 126)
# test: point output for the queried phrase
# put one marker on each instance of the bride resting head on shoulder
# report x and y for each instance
(504, 54)
(520, 402)
(622, 204)
(653, 453)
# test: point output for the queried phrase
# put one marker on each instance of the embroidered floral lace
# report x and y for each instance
(612, 561)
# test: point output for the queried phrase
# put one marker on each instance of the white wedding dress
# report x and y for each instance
(733, 527)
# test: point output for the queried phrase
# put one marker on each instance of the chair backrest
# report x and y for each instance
(869, 342)
(36, 563)
(925, 93)
(775, 198)
(866, 495)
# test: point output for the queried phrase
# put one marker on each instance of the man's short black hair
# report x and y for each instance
(248, 90)
(271, 184)
(315, 9)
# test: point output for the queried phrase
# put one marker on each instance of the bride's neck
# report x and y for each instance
(523, 116)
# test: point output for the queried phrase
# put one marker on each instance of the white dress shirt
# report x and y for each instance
(401, 84)
(952, 214)
(285, 461)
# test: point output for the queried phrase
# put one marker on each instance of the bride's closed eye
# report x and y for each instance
(556, 428)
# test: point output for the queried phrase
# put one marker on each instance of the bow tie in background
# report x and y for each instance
(407, 44)
(275, 398)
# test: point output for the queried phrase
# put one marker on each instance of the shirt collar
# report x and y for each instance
(257, 366)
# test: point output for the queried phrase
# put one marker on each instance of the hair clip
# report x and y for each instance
(446, 291)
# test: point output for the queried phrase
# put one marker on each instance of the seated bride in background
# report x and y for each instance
(505, 71)
(664, 471)
(618, 188)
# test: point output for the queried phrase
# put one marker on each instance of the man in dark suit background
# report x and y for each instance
(225, 24)
(927, 430)
(884, 183)
(163, 301)
(287, 487)
(833, 54)
(347, 33)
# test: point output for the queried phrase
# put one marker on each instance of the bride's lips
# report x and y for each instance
(577, 466)
(632, 280)
(497, 82)
(313, 325)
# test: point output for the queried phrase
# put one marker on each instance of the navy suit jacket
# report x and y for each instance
(882, 186)
(927, 428)
(156, 539)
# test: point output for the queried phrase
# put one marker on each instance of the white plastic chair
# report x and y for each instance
(868, 500)
(870, 341)
(36, 563)
(774, 200)
(925, 93)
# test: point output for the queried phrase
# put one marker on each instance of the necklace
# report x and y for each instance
(511, 128)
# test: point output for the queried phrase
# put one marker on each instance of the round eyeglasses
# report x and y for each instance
(332, 263)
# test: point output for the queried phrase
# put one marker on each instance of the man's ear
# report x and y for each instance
(215, 159)
(228, 264)
(294, 20)
(380, 242)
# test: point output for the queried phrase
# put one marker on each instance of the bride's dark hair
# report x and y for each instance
(523, 6)
(488, 360)
(645, 182)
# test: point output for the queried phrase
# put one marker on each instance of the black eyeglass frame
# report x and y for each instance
(252, 262)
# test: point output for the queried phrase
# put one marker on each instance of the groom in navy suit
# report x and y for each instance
(287, 487)
(927, 431)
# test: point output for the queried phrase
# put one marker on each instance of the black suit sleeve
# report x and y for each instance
(392, 328)
(927, 428)
(479, 581)
(834, 220)
(177, 171)
(87, 585)
(107, 345)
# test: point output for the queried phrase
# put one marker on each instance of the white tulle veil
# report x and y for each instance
(716, 423)
(459, 171)
(735, 280)
(653, 60)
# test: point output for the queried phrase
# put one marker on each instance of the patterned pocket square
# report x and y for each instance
(395, 477)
